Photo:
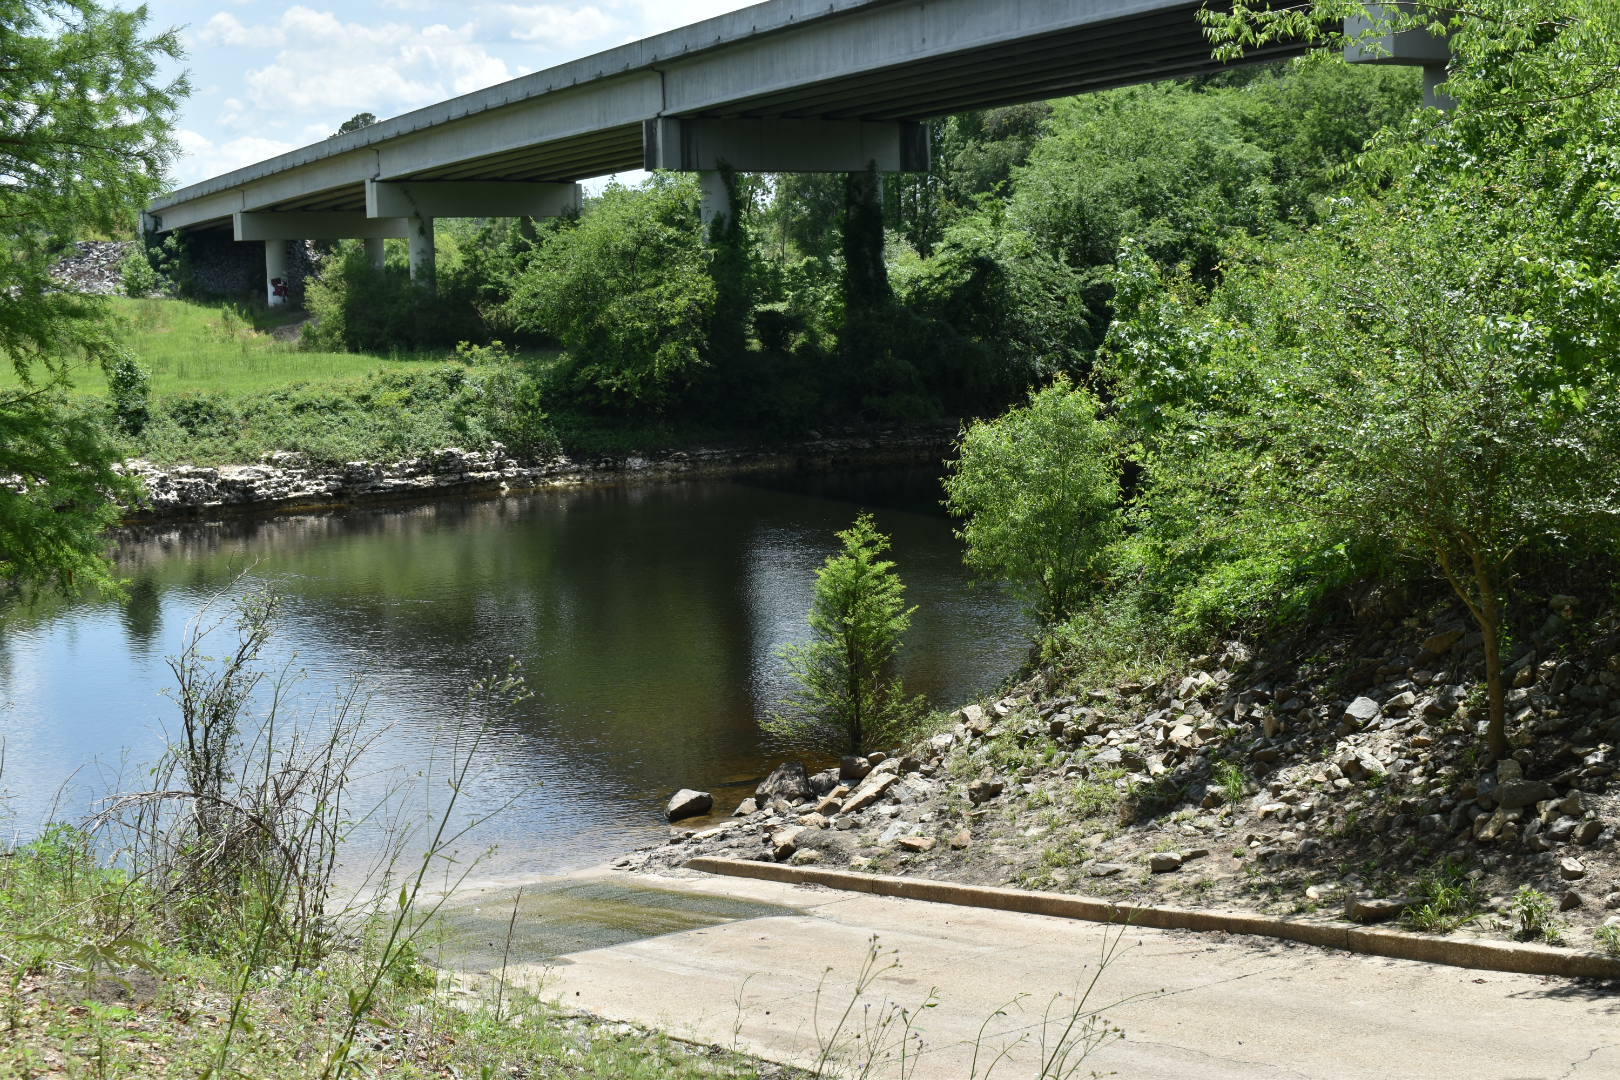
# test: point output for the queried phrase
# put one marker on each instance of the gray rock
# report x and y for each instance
(1571, 900)
(1571, 869)
(823, 782)
(789, 781)
(1562, 829)
(1514, 794)
(1163, 862)
(871, 790)
(983, 790)
(1587, 833)
(687, 803)
(1441, 643)
(746, 807)
(851, 769)
(1362, 711)
(1362, 909)
(978, 721)
(784, 842)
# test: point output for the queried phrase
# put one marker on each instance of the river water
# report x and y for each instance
(646, 620)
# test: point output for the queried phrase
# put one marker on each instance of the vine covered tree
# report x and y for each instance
(85, 114)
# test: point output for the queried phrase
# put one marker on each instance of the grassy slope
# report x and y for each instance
(191, 346)
(92, 984)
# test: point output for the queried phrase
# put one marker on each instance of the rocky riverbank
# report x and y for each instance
(289, 482)
(1339, 773)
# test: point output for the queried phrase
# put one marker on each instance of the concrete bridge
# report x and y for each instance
(784, 86)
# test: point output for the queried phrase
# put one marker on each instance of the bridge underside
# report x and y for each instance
(1165, 43)
(784, 86)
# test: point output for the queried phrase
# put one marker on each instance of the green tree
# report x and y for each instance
(1429, 375)
(84, 142)
(628, 294)
(355, 123)
(849, 698)
(1038, 494)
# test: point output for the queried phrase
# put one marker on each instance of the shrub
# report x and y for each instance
(363, 308)
(136, 275)
(1535, 918)
(848, 697)
(1038, 494)
(129, 388)
(627, 293)
(1446, 899)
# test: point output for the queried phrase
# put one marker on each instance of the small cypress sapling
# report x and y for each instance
(848, 696)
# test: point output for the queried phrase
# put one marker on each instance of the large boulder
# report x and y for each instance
(1519, 793)
(784, 842)
(789, 782)
(687, 803)
(823, 782)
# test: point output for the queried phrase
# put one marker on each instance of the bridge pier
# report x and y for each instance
(275, 270)
(716, 197)
(1416, 48)
(277, 228)
(376, 252)
(424, 253)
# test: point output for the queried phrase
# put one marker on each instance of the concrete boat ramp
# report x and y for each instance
(772, 969)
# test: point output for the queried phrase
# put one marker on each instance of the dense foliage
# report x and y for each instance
(830, 298)
(84, 140)
(1420, 380)
(1037, 491)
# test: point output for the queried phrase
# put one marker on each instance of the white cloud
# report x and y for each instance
(226, 29)
(655, 16)
(201, 157)
(552, 25)
(312, 67)
(348, 67)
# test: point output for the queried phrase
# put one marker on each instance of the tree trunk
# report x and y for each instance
(1490, 624)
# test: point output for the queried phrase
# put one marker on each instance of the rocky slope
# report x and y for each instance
(1352, 781)
(94, 266)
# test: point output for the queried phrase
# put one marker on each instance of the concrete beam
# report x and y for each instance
(470, 198)
(785, 145)
(1416, 47)
(317, 225)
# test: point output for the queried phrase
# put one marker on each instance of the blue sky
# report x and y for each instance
(268, 76)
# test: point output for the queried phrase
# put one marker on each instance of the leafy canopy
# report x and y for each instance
(1038, 493)
(1428, 375)
(84, 141)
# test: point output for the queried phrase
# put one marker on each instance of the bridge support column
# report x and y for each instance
(1433, 76)
(1415, 47)
(716, 197)
(275, 271)
(423, 251)
(377, 252)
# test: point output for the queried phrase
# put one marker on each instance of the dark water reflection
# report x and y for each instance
(646, 619)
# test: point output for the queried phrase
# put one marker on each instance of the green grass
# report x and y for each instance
(93, 984)
(224, 348)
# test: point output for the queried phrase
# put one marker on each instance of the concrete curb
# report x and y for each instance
(1514, 957)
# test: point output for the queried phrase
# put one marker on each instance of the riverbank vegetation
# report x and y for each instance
(822, 301)
(1328, 613)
